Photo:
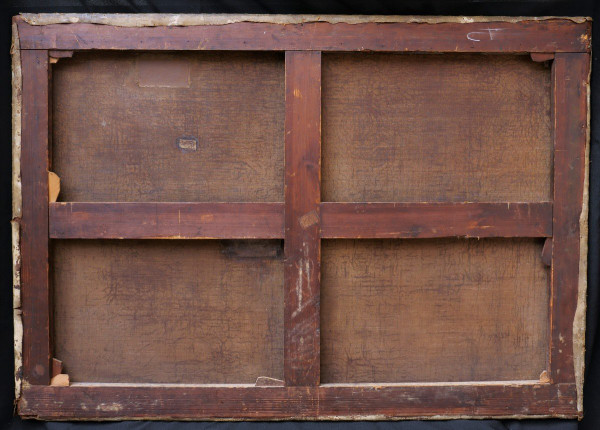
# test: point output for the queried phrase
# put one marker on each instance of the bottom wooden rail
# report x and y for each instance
(525, 399)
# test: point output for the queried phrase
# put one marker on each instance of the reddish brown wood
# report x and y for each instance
(57, 367)
(302, 397)
(166, 220)
(555, 35)
(60, 54)
(321, 402)
(540, 57)
(571, 80)
(34, 226)
(302, 198)
(547, 252)
(427, 220)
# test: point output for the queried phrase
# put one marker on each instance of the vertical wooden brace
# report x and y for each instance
(34, 239)
(570, 80)
(302, 217)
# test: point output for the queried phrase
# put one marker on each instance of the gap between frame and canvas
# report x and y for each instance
(152, 20)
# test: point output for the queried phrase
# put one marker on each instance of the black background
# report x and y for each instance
(370, 7)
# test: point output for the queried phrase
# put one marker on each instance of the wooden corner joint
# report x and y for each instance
(53, 187)
(540, 57)
(59, 379)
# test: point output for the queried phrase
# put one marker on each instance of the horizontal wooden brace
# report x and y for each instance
(429, 220)
(120, 401)
(166, 220)
(266, 220)
(552, 35)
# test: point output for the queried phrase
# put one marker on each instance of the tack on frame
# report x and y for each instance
(302, 220)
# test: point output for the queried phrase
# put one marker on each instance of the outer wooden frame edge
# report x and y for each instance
(326, 402)
(35, 287)
(553, 35)
(556, 400)
(570, 95)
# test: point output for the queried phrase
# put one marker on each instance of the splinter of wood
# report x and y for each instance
(53, 187)
(547, 252)
(57, 367)
(540, 57)
(54, 56)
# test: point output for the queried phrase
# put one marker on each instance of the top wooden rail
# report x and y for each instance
(503, 35)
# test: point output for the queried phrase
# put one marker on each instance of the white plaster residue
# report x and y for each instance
(580, 311)
(16, 209)
(109, 407)
(159, 20)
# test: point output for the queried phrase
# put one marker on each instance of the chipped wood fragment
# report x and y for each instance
(540, 57)
(54, 55)
(547, 252)
(265, 381)
(53, 187)
(57, 367)
(60, 380)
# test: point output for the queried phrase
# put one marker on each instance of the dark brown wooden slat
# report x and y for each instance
(35, 289)
(428, 220)
(166, 220)
(556, 35)
(571, 78)
(302, 243)
(321, 402)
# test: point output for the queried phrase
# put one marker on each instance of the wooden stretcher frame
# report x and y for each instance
(302, 220)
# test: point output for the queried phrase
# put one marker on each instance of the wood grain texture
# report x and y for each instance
(433, 310)
(166, 220)
(168, 311)
(452, 139)
(436, 128)
(302, 198)
(571, 78)
(428, 220)
(557, 35)
(321, 402)
(220, 139)
(265, 220)
(35, 286)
